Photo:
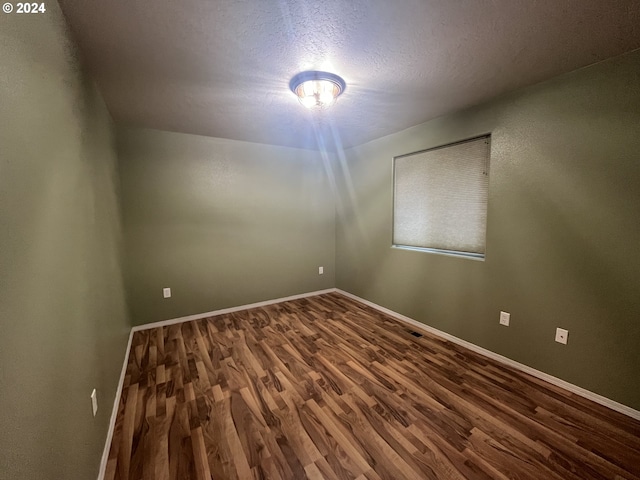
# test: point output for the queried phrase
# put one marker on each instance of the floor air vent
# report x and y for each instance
(415, 334)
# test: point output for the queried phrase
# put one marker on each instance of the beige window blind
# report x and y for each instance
(440, 198)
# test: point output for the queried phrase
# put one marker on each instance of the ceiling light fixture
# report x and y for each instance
(317, 89)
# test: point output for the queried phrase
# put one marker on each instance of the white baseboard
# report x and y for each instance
(114, 411)
(613, 405)
(198, 316)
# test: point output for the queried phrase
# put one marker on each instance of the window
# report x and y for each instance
(440, 198)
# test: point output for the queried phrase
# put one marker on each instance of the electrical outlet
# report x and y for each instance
(94, 401)
(562, 335)
(504, 318)
(166, 292)
(320, 270)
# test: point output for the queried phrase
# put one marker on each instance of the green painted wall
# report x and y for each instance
(63, 320)
(221, 222)
(563, 234)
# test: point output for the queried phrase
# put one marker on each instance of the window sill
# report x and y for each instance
(449, 253)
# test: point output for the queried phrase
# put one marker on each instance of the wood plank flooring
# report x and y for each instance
(327, 388)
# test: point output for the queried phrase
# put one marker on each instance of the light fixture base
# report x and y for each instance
(316, 89)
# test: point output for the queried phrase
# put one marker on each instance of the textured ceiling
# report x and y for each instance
(222, 68)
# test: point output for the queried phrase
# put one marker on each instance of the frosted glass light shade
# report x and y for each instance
(317, 89)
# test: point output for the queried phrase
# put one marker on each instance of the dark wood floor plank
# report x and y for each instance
(328, 388)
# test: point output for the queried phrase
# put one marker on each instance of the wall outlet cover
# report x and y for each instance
(505, 317)
(320, 270)
(166, 292)
(94, 402)
(562, 335)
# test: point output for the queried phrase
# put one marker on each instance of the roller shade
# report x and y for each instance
(440, 197)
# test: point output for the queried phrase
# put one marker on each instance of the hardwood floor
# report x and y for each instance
(327, 388)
